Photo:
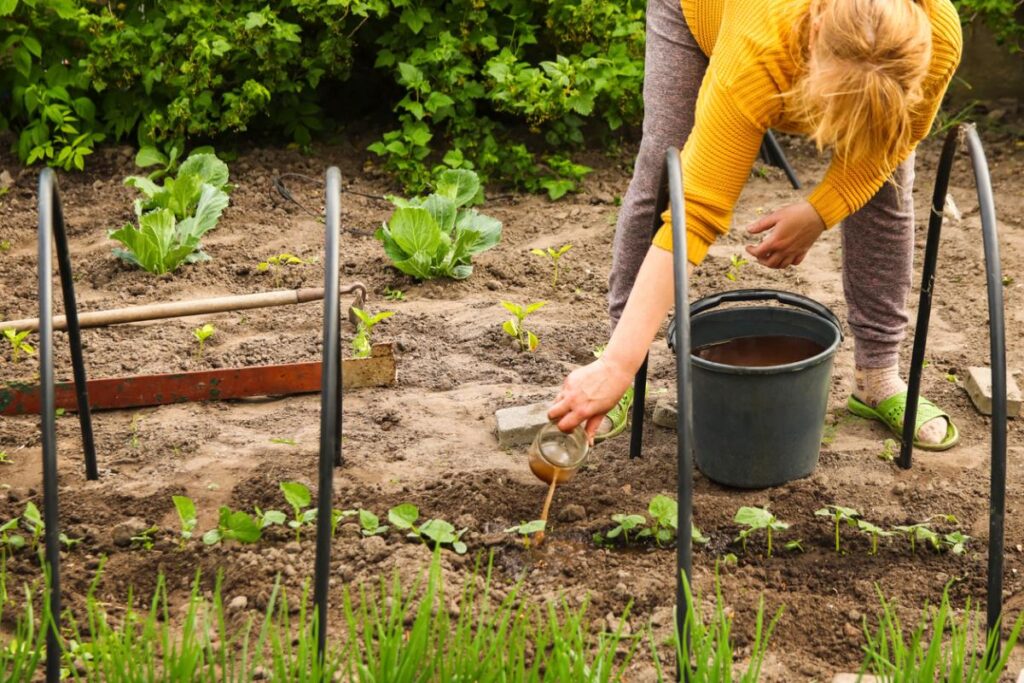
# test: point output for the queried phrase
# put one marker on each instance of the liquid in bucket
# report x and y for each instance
(759, 352)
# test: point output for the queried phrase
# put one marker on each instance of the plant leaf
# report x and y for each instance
(487, 229)
(443, 210)
(296, 494)
(415, 231)
(404, 516)
(207, 167)
(459, 185)
(150, 156)
(756, 518)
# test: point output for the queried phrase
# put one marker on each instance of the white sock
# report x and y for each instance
(874, 385)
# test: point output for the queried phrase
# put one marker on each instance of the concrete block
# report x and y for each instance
(979, 388)
(665, 413)
(517, 426)
(854, 678)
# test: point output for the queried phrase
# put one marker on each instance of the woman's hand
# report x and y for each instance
(588, 393)
(794, 229)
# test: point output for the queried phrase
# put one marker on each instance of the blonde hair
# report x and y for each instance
(861, 66)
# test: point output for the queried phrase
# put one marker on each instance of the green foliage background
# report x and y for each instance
(454, 82)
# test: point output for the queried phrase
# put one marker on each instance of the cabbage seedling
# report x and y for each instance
(736, 263)
(528, 341)
(187, 516)
(956, 542)
(839, 514)
(874, 532)
(919, 532)
(299, 498)
(202, 334)
(9, 540)
(369, 524)
(555, 255)
(527, 529)
(361, 347)
(404, 516)
(625, 524)
(756, 519)
(665, 515)
(18, 344)
(269, 517)
(233, 526)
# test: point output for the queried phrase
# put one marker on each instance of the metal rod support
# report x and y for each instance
(330, 405)
(776, 157)
(684, 391)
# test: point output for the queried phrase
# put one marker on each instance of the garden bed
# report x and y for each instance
(429, 439)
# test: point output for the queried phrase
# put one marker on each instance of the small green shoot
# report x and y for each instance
(956, 542)
(736, 263)
(283, 440)
(1007, 280)
(268, 518)
(665, 521)
(145, 538)
(275, 264)
(404, 517)
(361, 347)
(839, 514)
(18, 344)
(186, 508)
(889, 450)
(797, 545)
(625, 524)
(8, 539)
(952, 378)
(874, 532)
(5, 458)
(920, 532)
(233, 526)
(527, 529)
(393, 294)
(369, 524)
(299, 498)
(33, 522)
(756, 519)
(555, 256)
(528, 341)
(202, 334)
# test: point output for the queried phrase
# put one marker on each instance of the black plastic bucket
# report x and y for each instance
(755, 427)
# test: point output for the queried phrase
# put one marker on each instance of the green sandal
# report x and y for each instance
(617, 416)
(890, 413)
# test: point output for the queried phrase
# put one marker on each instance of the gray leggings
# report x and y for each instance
(878, 240)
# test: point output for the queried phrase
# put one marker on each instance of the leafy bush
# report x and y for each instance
(174, 217)
(438, 236)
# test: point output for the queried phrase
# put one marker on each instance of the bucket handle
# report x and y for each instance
(787, 298)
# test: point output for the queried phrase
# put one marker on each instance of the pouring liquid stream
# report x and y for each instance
(544, 461)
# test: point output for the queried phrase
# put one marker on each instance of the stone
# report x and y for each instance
(979, 388)
(122, 534)
(518, 425)
(238, 603)
(665, 413)
(6, 180)
(572, 513)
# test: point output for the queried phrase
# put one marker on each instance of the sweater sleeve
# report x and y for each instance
(716, 160)
(847, 187)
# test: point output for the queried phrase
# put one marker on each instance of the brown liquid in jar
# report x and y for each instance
(542, 467)
(759, 352)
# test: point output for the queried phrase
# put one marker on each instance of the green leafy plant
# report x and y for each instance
(361, 347)
(564, 176)
(889, 450)
(757, 519)
(664, 521)
(202, 334)
(393, 294)
(873, 532)
(555, 256)
(956, 542)
(528, 340)
(838, 514)
(267, 518)
(369, 523)
(233, 525)
(5, 457)
(528, 529)
(275, 264)
(33, 521)
(919, 533)
(10, 540)
(437, 236)
(18, 343)
(186, 509)
(625, 524)
(145, 538)
(173, 218)
(299, 497)
(438, 531)
(736, 263)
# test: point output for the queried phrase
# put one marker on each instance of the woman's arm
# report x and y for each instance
(591, 391)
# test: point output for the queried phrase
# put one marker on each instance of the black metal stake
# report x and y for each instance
(684, 392)
(997, 350)
(771, 152)
(330, 405)
(49, 214)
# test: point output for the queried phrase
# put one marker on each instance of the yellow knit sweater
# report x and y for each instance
(749, 66)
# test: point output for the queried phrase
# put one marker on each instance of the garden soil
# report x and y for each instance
(430, 439)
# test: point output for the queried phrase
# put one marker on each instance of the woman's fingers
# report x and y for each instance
(763, 223)
(593, 424)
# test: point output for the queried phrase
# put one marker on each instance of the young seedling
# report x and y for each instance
(919, 532)
(956, 542)
(839, 514)
(528, 341)
(10, 540)
(145, 539)
(187, 516)
(736, 263)
(554, 255)
(393, 294)
(299, 498)
(797, 545)
(874, 532)
(34, 522)
(404, 516)
(369, 524)
(361, 347)
(202, 334)
(889, 450)
(233, 526)
(270, 517)
(18, 344)
(756, 519)
(527, 529)
(665, 521)
(5, 458)
(275, 264)
(625, 524)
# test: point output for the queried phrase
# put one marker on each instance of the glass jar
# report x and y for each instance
(556, 455)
